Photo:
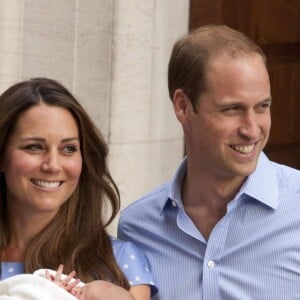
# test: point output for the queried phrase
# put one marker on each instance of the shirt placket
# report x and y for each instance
(212, 259)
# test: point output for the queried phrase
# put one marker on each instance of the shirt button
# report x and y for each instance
(211, 264)
(174, 204)
(11, 269)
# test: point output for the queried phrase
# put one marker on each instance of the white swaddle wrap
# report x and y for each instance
(33, 287)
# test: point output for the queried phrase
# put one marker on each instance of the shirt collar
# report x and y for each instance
(261, 185)
(174, 192)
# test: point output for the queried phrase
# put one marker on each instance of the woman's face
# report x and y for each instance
(42, 161)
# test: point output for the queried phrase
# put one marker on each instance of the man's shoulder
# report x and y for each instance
(288, 177)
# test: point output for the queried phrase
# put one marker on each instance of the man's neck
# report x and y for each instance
(205, 199)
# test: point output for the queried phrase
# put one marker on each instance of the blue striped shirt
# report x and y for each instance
(253, 252)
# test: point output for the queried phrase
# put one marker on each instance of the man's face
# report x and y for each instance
(231, 126)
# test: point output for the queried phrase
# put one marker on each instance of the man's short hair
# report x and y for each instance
(193, 51)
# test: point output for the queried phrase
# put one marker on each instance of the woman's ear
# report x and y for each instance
(181, 105)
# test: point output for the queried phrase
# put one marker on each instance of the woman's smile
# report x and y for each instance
(46, 184)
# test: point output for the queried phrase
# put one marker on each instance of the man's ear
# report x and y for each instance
(181, 105)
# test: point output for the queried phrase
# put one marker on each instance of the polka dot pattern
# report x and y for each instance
(9, 269)
(133, 264)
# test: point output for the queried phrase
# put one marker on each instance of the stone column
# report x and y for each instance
(11, 42)
(145, 139)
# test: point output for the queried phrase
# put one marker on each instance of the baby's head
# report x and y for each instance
(92, 290)
(102, 290)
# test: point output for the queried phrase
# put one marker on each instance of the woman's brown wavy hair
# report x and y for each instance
(77, 236)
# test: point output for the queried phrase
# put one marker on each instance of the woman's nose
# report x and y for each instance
(51, 163)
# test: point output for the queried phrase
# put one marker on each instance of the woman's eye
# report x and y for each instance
(70, 149)
(33, 147)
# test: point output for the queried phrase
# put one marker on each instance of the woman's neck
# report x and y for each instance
(13, 253)
(22, 230)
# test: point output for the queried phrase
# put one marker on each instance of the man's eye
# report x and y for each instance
(231, 109)
(264, 107)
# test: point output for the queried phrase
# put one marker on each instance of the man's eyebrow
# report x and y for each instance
(233, 103)
(267, 100)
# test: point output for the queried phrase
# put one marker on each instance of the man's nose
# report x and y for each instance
(249, 125)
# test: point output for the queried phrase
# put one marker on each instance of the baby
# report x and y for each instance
(89, 291)
(39, 285)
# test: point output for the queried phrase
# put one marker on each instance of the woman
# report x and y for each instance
(54, 188)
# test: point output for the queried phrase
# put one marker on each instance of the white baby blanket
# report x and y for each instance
(33, 287)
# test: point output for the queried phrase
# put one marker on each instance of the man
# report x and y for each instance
(227, 226)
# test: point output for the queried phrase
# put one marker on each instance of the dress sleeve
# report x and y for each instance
(134, 264)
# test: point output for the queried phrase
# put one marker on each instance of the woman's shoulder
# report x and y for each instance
(124, 248)
(133, 263)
